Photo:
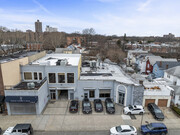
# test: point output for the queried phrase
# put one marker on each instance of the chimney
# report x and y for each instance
(167, 66)
(160, 64)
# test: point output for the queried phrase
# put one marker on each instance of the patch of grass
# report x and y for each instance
(176, 109)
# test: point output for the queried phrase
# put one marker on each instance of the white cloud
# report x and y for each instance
(42, 7)
(144, 6)
(157, 21)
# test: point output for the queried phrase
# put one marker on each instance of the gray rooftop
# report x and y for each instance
(107, 71)
(176, 90)
(167, 64)
(175, 71)
(16, 56)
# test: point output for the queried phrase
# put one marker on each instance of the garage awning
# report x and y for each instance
(21, 99)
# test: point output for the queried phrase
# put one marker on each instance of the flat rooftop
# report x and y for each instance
(24, 85)
(16, 55)
(51, 59)
(106, 72)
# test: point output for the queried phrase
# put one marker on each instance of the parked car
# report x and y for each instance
(134, 109)
(98, 105)
(110, 108)
(9, 131)
(73, 108)
(154, 128)
(123, 130)
(86, 106)
(23, 128)
(156, 112)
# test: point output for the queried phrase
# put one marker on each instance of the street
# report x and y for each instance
(171, 132)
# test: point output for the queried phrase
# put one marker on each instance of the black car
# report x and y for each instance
(110, 108)
(0, 131)
(156, 112)
(86, 106)
(73, 108)
(98, 105)
(23, 128)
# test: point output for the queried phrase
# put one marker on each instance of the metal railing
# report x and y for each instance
(19, 87)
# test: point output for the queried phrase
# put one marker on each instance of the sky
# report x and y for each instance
(107, 17)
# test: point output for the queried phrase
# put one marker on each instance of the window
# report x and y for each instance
(61, 78)
(52, 78)
(91, 94)
(27, 75)
(35, 76)
(104, 93)
(40, 76)
(85, 95)
(70, 77)
(53, 94)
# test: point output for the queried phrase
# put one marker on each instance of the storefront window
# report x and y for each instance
(91, 94)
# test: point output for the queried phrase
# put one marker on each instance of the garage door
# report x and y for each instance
(22, 108)
(147, 101)
(162, 102)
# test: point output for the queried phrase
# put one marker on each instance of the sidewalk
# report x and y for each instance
(56, 117)
(82, 122)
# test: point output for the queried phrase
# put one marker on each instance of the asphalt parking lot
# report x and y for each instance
(62, 108)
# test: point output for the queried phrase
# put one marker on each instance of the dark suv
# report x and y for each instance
(156, 112)
(86, 106)
(73, 108)
(110, 108)
(23, 128)
(98, 105)
(154, 129)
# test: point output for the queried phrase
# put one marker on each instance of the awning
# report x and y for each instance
(21, 99)
(89, 88)
(1, 99)
(105, 91)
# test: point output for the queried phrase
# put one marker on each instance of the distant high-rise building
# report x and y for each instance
(51, 29)
(170, 35)
(38, 26)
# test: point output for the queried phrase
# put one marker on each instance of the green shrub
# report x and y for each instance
(177, 110)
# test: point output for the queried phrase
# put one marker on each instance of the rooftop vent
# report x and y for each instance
(31, 85)
(64, 62)
(93, 64)
(61, 62)
(58, 63)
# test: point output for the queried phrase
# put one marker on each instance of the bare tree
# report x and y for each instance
(89, 34)
(52, 40)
